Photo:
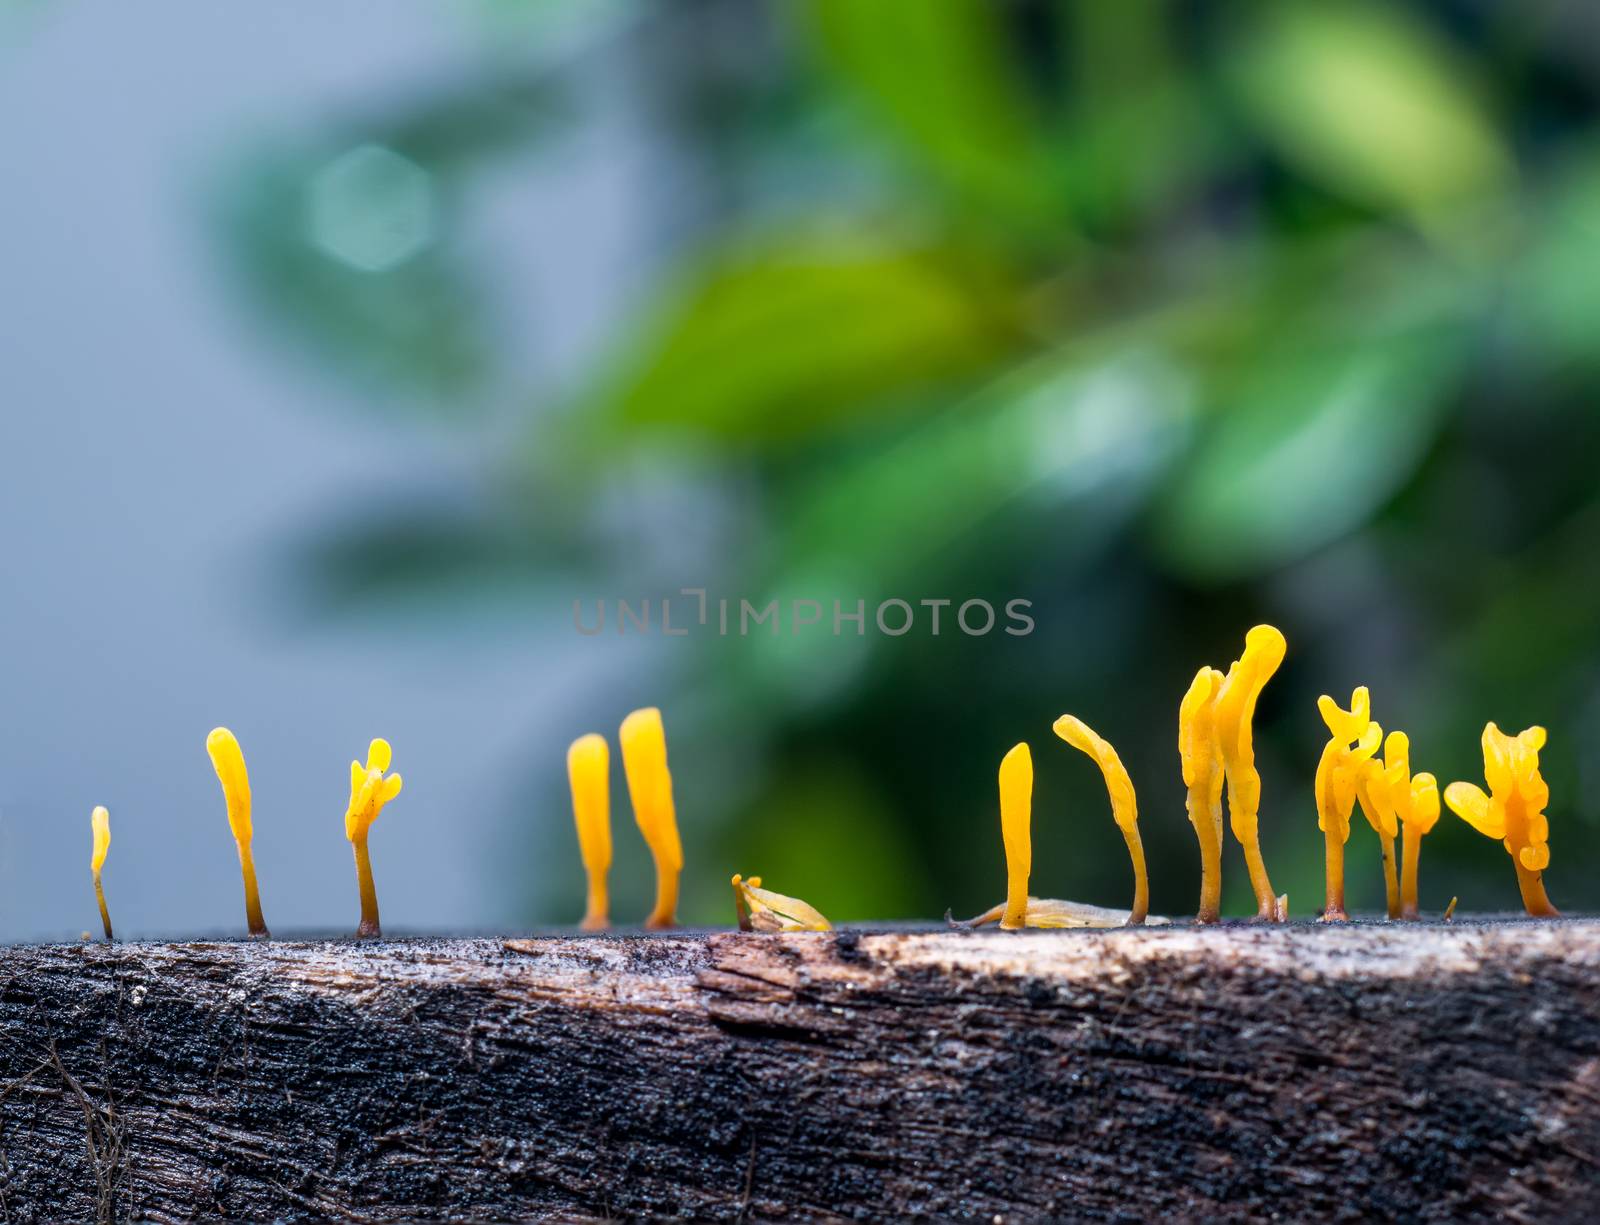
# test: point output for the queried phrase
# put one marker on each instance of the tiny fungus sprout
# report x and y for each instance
(1513, 811)
(228, 761)
(1353, 739)
(100, 822)
(369, 792)
(588, 770)
(1419, 813)
(762, 910)
(1124, 807)
(644, 760)
(1016, 831)
(1233, 715)
(1203, 776)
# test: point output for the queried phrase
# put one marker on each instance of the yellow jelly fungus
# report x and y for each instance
(1353, 739)
(1233, 715)
(228, 761)
(1380, 790)
(1419, 813)
(1016, 822)
(762, 910)
(644, 761)
(588, 771)
(369, 792)
(1124, 806)
(100, 823)
(1513, 811)
(1203, 776)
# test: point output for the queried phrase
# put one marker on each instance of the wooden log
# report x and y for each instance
(1376, 1070)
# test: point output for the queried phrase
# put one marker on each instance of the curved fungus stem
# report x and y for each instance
(1418, 815)
(1234, 715)
(228, 761)
(100, 824)
(588, 772)
(644, 761)
(1124, 804)
(1016, 821)
(370, 791)
(1203, 777)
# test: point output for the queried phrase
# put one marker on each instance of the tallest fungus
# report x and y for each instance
(1513, 811)
(588, 767)
(644, 761)
(100, 824)
(1233, 717)
(228, 761)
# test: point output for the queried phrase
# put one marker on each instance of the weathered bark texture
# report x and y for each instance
(1307, 1072)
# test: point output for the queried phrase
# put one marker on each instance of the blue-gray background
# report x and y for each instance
(343, 345)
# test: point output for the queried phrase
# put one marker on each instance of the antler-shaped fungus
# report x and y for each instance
(762, 910)
(369, 792)
(1513, 811)
(644, 761)
(1353, 739)
(1124, 806)
(228, 761)
(588, 772)
(1233, 715)
(1203, 776)
(100, 823)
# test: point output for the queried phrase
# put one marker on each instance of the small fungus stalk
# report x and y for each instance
(1513, 811)
(588, 771)
(1124, 805)
(1419, 813)
(370, 790)
(1234, 715)
(644, 761)
(1391, 876)
(228, 761)
(1203, 776)
(1016, 831)
(100, 824)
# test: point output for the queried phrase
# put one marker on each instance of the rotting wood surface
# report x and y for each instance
(1403, 1071)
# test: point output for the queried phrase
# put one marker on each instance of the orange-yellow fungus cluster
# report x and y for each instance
(1352, 740)
(644, 761)
(100, 825)
(1216, 743)
(370, 790)
(228, 761)
(1513, 811)
(762, 910)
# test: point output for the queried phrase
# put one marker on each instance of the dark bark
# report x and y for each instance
(1378, 1070)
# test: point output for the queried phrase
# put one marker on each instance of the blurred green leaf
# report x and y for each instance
(942, 78)
(1554, 295)
(1306, 442)
(778, 341)
(1370, 104)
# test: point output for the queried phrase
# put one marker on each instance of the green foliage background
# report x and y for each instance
(1169, 317)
